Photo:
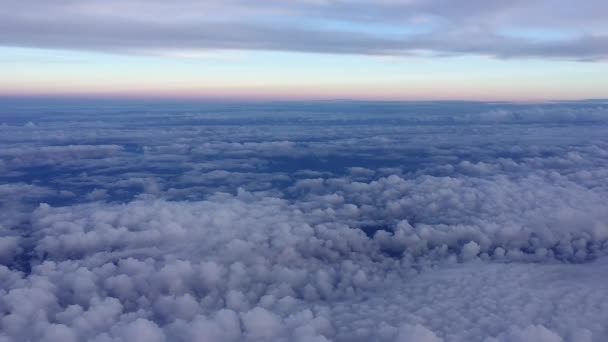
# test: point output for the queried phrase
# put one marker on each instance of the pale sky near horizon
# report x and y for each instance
(305, 49)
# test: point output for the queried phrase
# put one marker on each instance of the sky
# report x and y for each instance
(305, 49)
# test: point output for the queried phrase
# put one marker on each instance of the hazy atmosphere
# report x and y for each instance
(305, 49)
(308, 171)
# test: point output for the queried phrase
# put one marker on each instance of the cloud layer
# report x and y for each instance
(301, 222)
(472, 27)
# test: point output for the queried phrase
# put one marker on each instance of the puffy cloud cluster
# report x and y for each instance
(341, 229)
(259, 268)
(556, 114)
(17, 157)
(528, 218)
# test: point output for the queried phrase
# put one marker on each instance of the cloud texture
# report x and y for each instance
(517, 29)
(327, 222)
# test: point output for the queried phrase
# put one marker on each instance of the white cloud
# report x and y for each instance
(493, 230)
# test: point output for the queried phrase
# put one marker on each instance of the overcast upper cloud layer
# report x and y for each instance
(418, 222)
(538, 28)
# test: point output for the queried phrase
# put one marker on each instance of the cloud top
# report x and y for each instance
(305, 222)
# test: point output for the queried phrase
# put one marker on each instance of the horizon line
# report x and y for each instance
(245, 99)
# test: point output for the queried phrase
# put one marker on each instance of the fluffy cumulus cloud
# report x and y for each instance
(306, 224)
(395, 27)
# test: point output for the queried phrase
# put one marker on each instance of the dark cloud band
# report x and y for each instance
(440, 28)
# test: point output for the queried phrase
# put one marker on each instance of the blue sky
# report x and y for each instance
(410, 49)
